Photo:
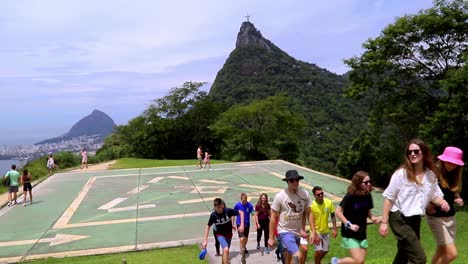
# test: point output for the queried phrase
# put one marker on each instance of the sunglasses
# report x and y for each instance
(319, 194)
(411, 151)
(293, 180)
(366, 182)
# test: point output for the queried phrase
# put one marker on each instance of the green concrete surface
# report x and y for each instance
(163, 207)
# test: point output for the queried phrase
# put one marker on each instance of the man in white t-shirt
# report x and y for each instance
(290, 209)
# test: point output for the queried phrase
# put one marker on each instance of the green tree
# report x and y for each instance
(263, 129)
(414, 78)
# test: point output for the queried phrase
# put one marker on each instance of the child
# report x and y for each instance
(207, 160)
(27, 187)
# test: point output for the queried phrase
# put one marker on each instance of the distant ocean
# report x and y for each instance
(5, 165)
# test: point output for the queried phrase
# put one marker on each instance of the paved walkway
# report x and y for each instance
(254, 256)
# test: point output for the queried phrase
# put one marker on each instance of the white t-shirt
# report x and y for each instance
(409, 197)
(291, 208)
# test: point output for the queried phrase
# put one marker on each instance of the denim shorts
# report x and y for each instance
(290, 242)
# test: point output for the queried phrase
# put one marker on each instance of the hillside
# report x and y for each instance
(257, 69)
(97, 124)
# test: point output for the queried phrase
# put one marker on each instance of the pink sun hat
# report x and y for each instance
(453, 155)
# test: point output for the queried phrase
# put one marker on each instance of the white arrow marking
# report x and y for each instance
(131, 208)
(211, 181)
(57, 240)
(138, 189)
(179, 177)
(157, 179)
(112, 203)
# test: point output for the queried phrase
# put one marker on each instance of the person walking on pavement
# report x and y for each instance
(223, 219)
(262, 220)
(290, 209)
(27, 187)
(247, 209)
(14, 177)
(84, 158)
(322, 209)
(199, 157)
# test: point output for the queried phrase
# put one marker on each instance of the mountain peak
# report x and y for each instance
(97, 123)
(250, 36)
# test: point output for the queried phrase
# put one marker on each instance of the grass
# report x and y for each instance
(127, 163)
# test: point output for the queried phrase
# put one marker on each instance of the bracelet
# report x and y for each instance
(383, 222)
(348, 225)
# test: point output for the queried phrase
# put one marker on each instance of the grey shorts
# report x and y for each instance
(324, 244)
(13, 189)
(443, 229)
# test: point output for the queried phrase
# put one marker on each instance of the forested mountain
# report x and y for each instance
(257, 69)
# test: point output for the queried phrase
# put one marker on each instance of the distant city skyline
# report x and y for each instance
(63, 59)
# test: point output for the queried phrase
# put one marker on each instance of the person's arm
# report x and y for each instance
(383, 230)
(274, 218)
(207, 231)
(439, 201)
(458, 200)
(242, 216)
(255, 217)
(371, 217)
(334, 232)
(313, 239)
(344, 220)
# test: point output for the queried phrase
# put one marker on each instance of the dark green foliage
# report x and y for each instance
(264, 129)
(332, 121)
(414, 76)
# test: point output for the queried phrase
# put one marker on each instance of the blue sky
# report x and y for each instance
(62, 59)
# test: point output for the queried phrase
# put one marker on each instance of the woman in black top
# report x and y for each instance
(27, 187)
(353, 212)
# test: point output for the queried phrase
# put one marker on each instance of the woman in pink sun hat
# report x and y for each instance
(442, 223)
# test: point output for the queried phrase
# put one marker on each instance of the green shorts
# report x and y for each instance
(349, 243)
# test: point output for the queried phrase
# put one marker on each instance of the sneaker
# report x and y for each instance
(258, 246)
(217, 253)
(335, 260)
(267, 250)
(9, 203)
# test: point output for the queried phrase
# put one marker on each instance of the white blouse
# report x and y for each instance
(409, 197)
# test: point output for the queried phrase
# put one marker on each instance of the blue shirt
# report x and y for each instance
(247, 209)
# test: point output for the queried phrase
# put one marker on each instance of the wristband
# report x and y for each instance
(348, 225)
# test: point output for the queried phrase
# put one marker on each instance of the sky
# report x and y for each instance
(60, 60)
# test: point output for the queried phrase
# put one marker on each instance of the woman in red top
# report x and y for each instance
(262, 220)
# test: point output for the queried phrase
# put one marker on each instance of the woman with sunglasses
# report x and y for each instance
(410, 190)
(353, 212)
(442, 223)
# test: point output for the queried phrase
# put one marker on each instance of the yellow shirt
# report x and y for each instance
(321, 214)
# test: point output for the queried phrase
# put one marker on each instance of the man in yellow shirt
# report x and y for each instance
(322, 208)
